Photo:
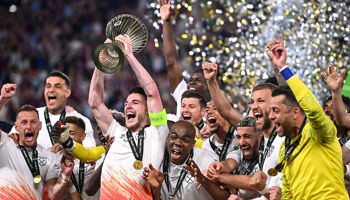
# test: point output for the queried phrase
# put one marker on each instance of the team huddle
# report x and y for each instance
(288, 146)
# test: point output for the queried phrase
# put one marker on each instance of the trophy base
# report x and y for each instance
(108, 58)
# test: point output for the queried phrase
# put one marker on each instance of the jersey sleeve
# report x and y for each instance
(323, 129)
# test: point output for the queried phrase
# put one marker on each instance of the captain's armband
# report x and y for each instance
(158, 119)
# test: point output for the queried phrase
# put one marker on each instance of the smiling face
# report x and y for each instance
(281, 115)
(28, 126)
(214, 119)
(248, 139)
(197, 82)
(135, 112)
(76, 133)
(56, 94)
(191, 110)
(260, 108)
(180, 141)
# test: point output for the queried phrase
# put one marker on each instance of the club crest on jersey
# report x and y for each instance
(42, 160)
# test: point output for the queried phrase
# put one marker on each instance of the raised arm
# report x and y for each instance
(101, 113)
(334, 82)
(324, 128)
(154, 102)
(8, 90)
(277, 58)
(170, 53)
(221, 103)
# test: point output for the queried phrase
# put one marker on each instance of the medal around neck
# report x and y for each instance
(272, 172)
(109, 57)
(37, 179)
(138, 164)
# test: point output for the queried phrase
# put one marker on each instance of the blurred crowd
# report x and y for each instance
(41, 36)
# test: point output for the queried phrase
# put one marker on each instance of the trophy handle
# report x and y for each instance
(112, 61)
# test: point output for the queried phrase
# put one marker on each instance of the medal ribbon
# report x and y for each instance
(137, 151)
(262, 152)
(32, 164)
(182, 175)
(79, 187)
(249, 169)
(222, 152)
(200, 125)
(290, 148)
(48, 122)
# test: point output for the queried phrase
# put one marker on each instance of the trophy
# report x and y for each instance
(108, 57)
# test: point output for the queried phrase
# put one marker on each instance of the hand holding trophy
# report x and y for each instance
(109, 57)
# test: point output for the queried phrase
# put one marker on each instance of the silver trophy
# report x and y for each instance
(108, 57)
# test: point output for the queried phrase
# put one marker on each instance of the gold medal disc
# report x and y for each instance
(37, 179)
(138, 164)
(272, 172)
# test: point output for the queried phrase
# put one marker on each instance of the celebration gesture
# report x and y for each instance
(277, 53)
(215, 168)
(165, 9)
(153, 176)
(258, 181)
(8, 90)
(275, 193)
(332, 78)
(67, 164)
(125, 40)
(194, 170)
(210, 71)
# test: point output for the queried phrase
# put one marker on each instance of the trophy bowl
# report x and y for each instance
(109, 57)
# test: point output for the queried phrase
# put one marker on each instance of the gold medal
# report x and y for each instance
(272, 172)
(232, 190)
(37, 179)
(138, 164)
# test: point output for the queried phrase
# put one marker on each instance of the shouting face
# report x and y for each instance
(56, 94)
(191, 110)
(135, 112)
(180, 141)
(281, 115)
(248, 139)
(28, 126)
(260, 107)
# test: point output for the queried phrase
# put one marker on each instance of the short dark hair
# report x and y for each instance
(187, 125)
(138, 90)
(247, 121)
(26, 108)
(290, 101)
(263, 86)
(346, 101)
(75, 120)
(272, 80)
(61, 75)
(200, 71)
(196, 95)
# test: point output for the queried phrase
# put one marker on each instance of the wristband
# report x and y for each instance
(63, 178)
(72, 189)
(347, 173)
(347, 144)
(264, 191)
(158, 119)
(286, 72)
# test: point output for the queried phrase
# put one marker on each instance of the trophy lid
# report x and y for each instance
(126, 24)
